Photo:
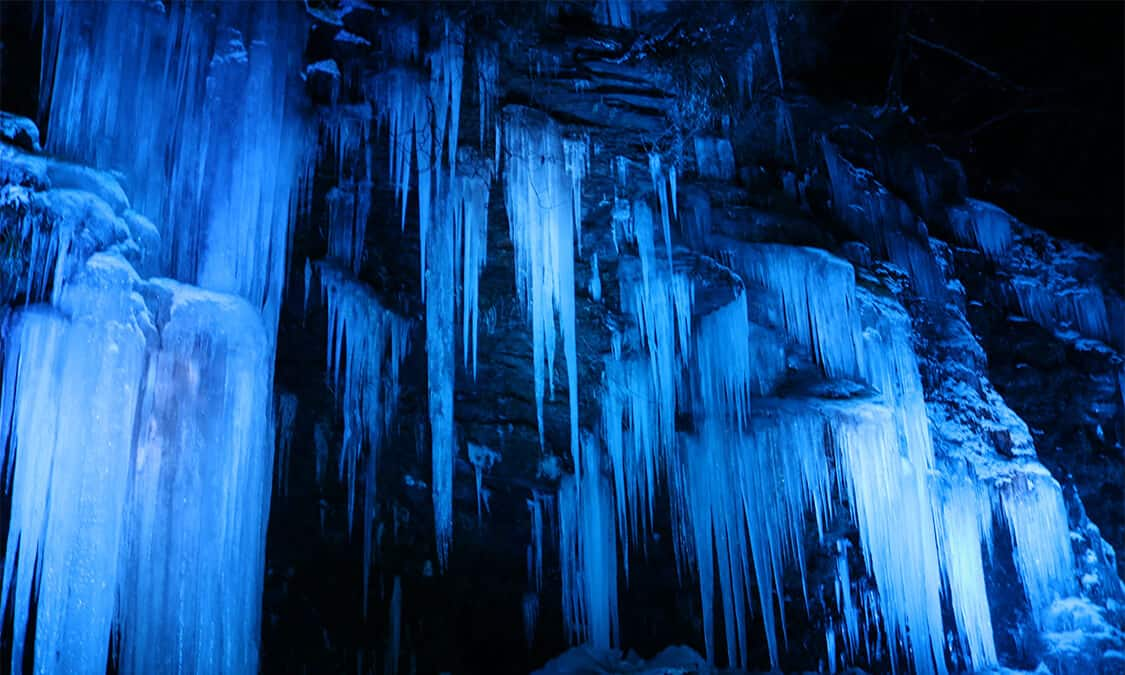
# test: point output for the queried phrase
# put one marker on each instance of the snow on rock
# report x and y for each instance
(19, 131)
(593, 661)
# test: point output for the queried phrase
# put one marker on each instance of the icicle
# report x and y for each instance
(366, 346)
(983, 225)
(530, 616)
(723, 371)
(817, 295)
(830, 647)
(771, 23)
(68, 415)
(660, 188)
(884, 221)
(595, 279)
(470, 213)
(1081, 308)
(746, 496)
(488, 86)
(588, 553)
(482, 460)
(535, 507)
(966, 526)
(904, 562)
(394, 620)
(1031, 505)
(845, 602)
(576, 153)
(348, 208)
(616, 13)
(286, 417)
(540, 205)
(745, 76)
(210, 375)
(785, 135)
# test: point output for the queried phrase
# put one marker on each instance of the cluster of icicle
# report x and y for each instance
(742, 485)
(416, 99)
(366, 346)
(137, 413)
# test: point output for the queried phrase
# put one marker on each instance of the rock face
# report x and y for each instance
(599, 328)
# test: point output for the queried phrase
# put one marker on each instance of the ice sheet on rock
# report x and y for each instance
(817, 296)
(980, 224)
(1030, 504)
(966, 532)
(540, 204)
(20, 131)
(884, 221)
(695, 224)
(714, 158)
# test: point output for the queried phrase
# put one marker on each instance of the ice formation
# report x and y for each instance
(588, 552)
(116, 538)
(482, 460)
(861, 203)
(817, 298)
(617, 13)
(423, 118)
(214, 95)
(285, 418)
(982, 225)
(470, 216)
(714, 158)
(141, 477)
(1031, 507)
(541, 220)
(366, 346)
(966, 534)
